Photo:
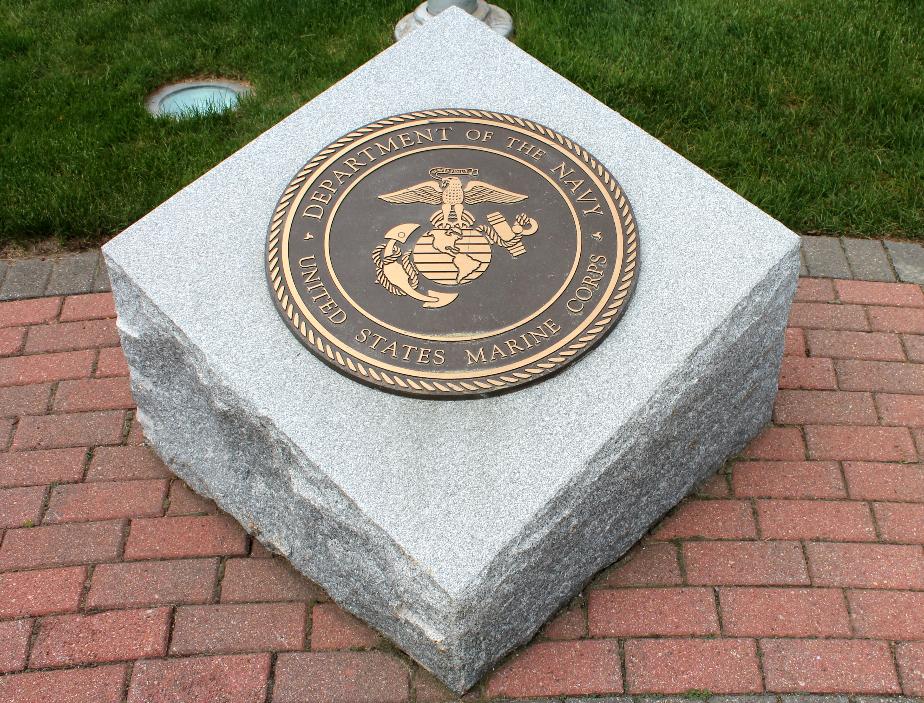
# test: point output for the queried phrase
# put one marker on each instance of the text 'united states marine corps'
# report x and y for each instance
(452, 253)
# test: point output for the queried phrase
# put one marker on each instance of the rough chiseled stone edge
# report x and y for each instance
(580, 531)
(584, 529)
(358, 564)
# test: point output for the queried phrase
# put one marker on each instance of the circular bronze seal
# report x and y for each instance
(451, 253)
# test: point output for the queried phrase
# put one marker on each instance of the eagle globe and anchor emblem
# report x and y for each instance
(455, 250)
(379, 249)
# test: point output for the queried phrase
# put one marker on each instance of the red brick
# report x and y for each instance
(21, 507)
(66, 640)
(569, 624)
(335, 677)
(14, 645)
(824, 408)
(36, 468)
(794, 342)
(860, 443)
(787, 479)
(900, 522)
(428, 690)
(782, 443)
(828, 666)
(872, 481)
(24, 400)
(745, 563)
(223, 629)
(872, 293)
(872, 346)
(886, 376)
(914, 347)
(41, 592)
(135, 435)
(125, 464)
(11, 339)
(6, 433)
(866, 565)
(94, 394)
(184, 501)
(681, 665)
(259, 551)
(784, 612)
(72, 430)
(641, 612)
(29, 312)
(266, 580)
(44, 368)
(714, 519)
(111, 363)
(559, 668)
(60, 545)
(844, 520)
(906, 410)
(910, 657)
(648, 564)
(106, 500)
(101, 684)
(334, 628)
(828, 317)
(67, 336)
(241, 678)
(909, 320)
(145, 583)
(815, 290)
(716, 486)
(887, 615)
(810, 374)
(88, 307)
(177, 537)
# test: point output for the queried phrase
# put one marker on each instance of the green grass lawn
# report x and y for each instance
(813, 110)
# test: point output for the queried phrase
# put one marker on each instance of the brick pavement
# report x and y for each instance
(798, 569)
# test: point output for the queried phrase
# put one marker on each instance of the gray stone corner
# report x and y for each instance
(457, 528)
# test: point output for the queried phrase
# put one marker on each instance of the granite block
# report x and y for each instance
(454, 528)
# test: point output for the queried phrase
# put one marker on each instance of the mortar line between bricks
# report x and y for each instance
(717, 602)
(271, 677)
(758, 528)
(170, 628)
(808, 563)
(850, 621)
(309, 625)
(681, 561)
(759, 653)
(876, 527)
(127, 679)
(840, 244)
(83, 601)
(623, 663)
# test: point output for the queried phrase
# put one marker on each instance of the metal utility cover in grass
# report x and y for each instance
(455, 528)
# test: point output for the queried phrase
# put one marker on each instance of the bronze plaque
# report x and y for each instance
(452, 253)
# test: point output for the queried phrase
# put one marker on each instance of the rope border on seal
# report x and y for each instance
(316, 338)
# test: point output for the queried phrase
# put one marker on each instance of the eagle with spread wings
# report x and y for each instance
(452, 196)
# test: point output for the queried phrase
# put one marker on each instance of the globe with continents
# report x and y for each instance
(452, 256)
